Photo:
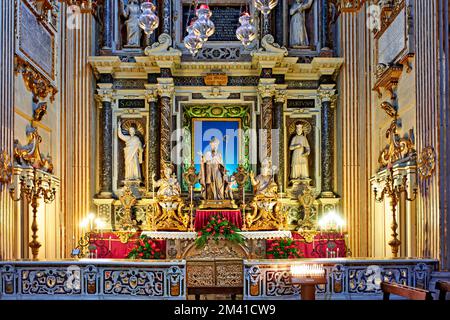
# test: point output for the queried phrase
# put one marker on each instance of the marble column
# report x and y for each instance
(167, 17)
(153, 133)
(279, 22)
(327, 95)
(325, 23)
(166, 91)
(105, 98)
(266, 91)
(108, 25)
(280, 100)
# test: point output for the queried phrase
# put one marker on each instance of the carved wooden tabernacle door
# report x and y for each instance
(217, 265)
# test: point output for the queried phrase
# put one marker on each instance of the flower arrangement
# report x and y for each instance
(283, 249)
(145, 249)
(218, 228)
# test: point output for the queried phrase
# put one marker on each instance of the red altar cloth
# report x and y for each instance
(109, 246)
(202, 217)
(334, 242)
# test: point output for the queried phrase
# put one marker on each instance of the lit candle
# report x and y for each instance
(327, 253)
(243, 194)
(109, 244)
(337, 252)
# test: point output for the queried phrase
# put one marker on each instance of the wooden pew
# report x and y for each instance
(410, 293)
(443, 288)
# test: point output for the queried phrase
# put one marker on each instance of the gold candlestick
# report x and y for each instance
(32, 190)
(394, 192)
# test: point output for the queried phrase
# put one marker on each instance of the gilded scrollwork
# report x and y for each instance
(426, 163)
(6, 168)
(30, 154)
(39, 86)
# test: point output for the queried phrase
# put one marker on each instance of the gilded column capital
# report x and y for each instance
(281, 95)
(266, 90)
(104, 92)
(165, 87)
(327, 93)
(151, 94)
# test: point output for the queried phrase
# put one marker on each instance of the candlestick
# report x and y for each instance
(192, 195)
(153, 184)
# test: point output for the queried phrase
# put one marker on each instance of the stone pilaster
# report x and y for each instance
(266, 90)
(327, 95)
(166, 91)
(153, 150)
(280, 100)
(104, 97)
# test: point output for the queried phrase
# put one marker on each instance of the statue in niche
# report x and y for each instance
(133, 152)
(298, 36)
(212, 173)
(300, 151)
(264, 184)
(168, 185)
(132, 12)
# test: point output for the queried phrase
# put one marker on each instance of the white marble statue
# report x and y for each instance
(132, 12)
(212, 173)
(133, 152)
(298, 36)
(300, 152)
(168, 184)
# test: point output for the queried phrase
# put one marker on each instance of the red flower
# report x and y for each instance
(141, 254)
(231, 231)
(153, 245)
(208, 230)
(200, 233)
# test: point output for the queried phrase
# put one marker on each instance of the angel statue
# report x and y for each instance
(264, 183)
(132, 12)
(168, 185)
(133, 153)
(298, 36)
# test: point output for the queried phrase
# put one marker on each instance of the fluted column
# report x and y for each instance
(153, 133)
(7, 222)
(104, 97)
(166, 91)
(280, 100)
(266, 90)
(327, 95)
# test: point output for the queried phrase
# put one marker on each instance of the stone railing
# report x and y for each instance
(347, 278)
(92, 279)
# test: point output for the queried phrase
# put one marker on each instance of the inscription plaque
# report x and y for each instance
(35, 42)
(392, 42)
(310, 103)
(225, 18)
(131, 104)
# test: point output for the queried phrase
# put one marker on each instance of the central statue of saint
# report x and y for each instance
(212, 173)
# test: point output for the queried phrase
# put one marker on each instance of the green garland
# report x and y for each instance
(218, 228)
